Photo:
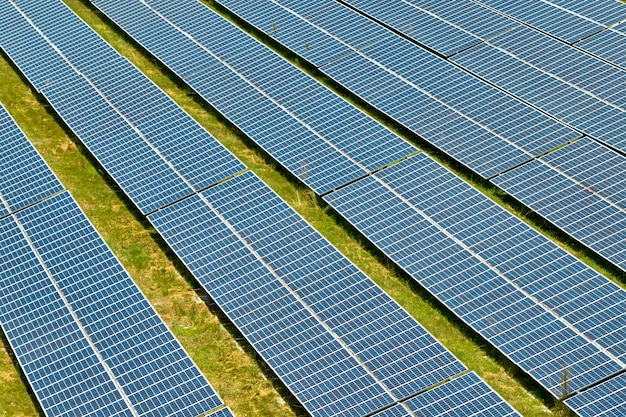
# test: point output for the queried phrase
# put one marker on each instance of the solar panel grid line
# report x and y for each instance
(299, 298)
(76, 319)
(407, 81)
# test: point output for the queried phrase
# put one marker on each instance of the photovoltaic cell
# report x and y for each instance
(200, 158)
(464, 396)
(480, 261)
(576, 209)
(25, 178)
(61, 367)
(607, 399)
(149, 364)
(395, 411)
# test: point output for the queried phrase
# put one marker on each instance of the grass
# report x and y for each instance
(228, 363)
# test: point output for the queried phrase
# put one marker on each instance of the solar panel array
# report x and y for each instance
(606, 45)
(103, 108)
(508, 282)
(593, 327)
(315, 134)
(347, 351)
(475, 123)
(87, 339)
(25, 178)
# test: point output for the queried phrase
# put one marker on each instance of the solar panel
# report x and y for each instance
(607, 399)
(607, 45)
(399, 351)
(506, 281)
(588, 217)
(62, 368)
(605, 12)
(190, 149)
(420, 24)
(315, 367)
(589, 73)
(141, 172)
(549, 91)
(323, 140)
(25, 178)
(595, 166)
(464, 396)
(544, 16)
(475, 123)
(149, 364)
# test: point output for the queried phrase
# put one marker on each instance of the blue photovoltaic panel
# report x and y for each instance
(25, 178)
(322, 139)
(607, 399)
(546, 17)
(315, 367)
(303, 39)
(468, 16)
(39, 63)
(134, 165)
(61, 367)
(478, 125)
(608, 45)
(397, 349)
(437, 252)
(464, 396)
(143, 174)
(595, 166)
(147, 361)
(200, 158)
(583, 214)
(587, 300)
(579, 108)
(358, 136)
(576, 67)
(605, 12)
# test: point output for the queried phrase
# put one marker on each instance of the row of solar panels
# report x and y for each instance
(338, 342)
(525, 269)
(384, 73)
(87, 339)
